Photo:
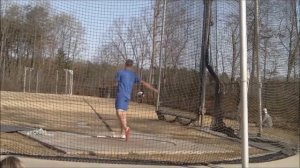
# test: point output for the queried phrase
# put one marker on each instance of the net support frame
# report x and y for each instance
(24, 82)
(244, 93)
(56, 81)
(25, 78)
(161, 52)
(259, 93)
(69, 81)
(37, 82)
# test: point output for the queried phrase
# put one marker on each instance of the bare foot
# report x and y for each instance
(127, 133)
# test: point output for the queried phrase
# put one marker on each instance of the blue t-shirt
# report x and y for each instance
(126, 80)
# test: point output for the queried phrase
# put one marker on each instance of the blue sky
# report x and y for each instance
(97, 16)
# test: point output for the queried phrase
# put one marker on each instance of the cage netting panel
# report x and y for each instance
(59, 60)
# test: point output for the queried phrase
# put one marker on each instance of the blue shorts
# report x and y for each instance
(122, 103)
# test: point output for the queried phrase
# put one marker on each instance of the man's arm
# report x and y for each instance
(147, 85)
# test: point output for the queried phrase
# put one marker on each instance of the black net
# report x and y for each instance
(59, 60)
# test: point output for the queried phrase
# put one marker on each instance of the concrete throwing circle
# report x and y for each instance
(139, 143)
(138, 137)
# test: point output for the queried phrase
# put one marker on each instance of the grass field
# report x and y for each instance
(80, 114)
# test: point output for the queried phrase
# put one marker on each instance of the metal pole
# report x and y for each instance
(66, 85)
(24, 85)
(298, 14)
(203, 94)
(244, 93)
(204, 50)
(37, 82)
(71, 81)
(56, 81)
(217, 49)
(3, 75)
(258, 66)
(160, 54)
(29, 85)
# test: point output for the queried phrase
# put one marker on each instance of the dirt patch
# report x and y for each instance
(72, 114)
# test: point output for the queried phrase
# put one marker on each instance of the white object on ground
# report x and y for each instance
(113, 135)
(40, 132)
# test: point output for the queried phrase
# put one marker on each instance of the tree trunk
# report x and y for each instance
(253, 63)
(265, 60)
(292, 52)
(234, 57)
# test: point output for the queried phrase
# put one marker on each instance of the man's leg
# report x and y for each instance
(125, 129)
(120, 122)
(124, 120)
(122, 106)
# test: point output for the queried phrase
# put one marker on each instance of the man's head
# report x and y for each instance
(129, 63)
(11, 162)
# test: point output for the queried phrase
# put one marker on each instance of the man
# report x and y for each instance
(267, 120)
(126, 79)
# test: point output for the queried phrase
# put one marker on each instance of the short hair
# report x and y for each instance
(11, 162)
(129, 63)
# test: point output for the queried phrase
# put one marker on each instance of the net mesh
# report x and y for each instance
(59, 60)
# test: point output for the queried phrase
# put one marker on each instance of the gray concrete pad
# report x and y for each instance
(13, 128)
(138, 143)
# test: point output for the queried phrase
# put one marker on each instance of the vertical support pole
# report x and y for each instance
(258, 67)
(66, 84)
(29, 85)
(37, 82)
(3, 73)
(71, 81)
(24, 84)
(161, 52)
(204, 52)
(203, 95)
(244, 93)
(217, 49)
(296, 7)
(56, 83)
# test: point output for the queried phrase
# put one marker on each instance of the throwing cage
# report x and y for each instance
(59, 59)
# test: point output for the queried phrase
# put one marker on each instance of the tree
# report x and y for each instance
(37, 19)
(289, 35)
(62, 61)
(31, 36)
(233, 27)
(175, 40)
(67, 34)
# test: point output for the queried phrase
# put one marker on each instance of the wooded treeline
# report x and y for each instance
(37, 37)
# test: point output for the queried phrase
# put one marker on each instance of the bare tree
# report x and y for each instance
(233, 26)
(175, 39)
(289, 35)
